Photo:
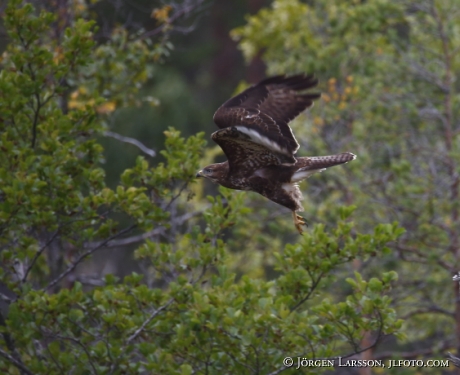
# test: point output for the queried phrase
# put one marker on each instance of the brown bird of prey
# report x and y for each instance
(260, 146)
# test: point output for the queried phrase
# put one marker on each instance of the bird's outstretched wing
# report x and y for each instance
(263, 111)
(243, 154)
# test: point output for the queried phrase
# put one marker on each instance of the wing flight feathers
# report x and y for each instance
(265, 109)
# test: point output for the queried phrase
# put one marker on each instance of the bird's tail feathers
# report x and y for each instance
(310, 165)
(317, 162)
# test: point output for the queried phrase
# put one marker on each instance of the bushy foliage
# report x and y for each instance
(189, 312)
(389, 73)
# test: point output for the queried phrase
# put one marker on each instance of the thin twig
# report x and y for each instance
(36, 110)
(455, 360)
(7, 299)
(129, 240)
(38, 253)
(132, 141)
(149, 319)
(141, 237)
(312, 289)
(83, 347)
(17, 363)
(88, 280)
(428, 76)
(379, 336)
(428, 310)
(9, 341)
(85, 255)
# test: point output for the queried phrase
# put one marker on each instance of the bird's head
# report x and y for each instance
(214, 172)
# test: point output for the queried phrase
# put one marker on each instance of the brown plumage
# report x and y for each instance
(260, 146)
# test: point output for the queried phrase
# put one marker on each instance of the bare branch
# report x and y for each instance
(455, 360)
(149, 319)
(36, 109)
(87, 254)
(422, 257)
(89, 280)
(8, 339)
(428, 76)
(132, 141)
(130, 240)
(7, 299)
(154, 232)
(17, 363)
(38, 253)
(82, 346)
(312, 289)
(427, 310)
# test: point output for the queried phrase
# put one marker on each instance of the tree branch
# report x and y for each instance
(36, 110)
(312, 289)
(379, 336)
(141, 237)
(9, 342)
(85, 255)
(132, 141)
(148, 320)
(455, 360)
(37, 254)
(428, 310)
(16, 362)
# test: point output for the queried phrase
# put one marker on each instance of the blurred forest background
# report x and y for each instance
(116, 260)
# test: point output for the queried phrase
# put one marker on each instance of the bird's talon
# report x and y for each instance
(298, 222)
(301, 220)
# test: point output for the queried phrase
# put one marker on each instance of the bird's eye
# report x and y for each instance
(207, 170)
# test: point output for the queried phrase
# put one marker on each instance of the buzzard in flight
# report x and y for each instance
(260, 146)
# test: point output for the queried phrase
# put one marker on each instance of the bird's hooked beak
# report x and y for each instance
(199, 174)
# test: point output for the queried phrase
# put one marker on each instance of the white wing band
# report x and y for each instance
(260, 139)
